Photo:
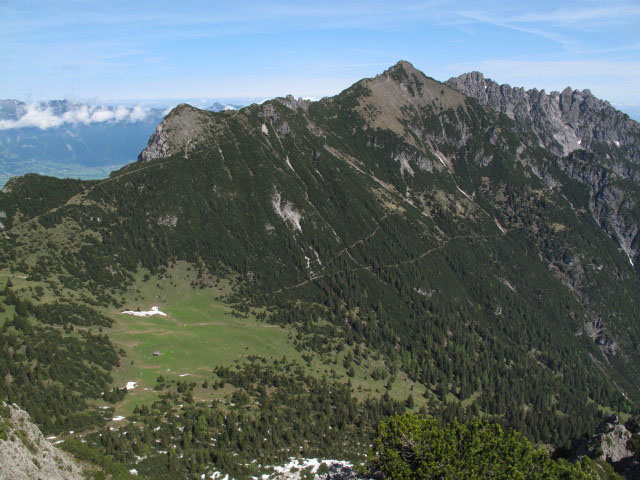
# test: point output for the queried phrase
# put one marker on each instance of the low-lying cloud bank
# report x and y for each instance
(43, 117)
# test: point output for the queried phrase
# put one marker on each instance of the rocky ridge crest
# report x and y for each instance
(598, 145)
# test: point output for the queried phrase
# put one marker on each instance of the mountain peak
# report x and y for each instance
(179, 131)
(400, 90)
(404, 65)
(403, 71)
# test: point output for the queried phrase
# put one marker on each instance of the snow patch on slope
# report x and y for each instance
(153, 311)
(294, 469)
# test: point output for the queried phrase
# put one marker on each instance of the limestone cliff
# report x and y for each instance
(26, 454)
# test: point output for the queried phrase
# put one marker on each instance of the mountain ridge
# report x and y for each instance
(570, 123)
(398, 229)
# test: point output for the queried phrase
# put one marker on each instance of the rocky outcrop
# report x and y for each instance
(26, 454)
(598, 145)
(177, 133)
(611, 443)
(294, 103)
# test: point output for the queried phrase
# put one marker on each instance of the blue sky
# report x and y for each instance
(125, 51)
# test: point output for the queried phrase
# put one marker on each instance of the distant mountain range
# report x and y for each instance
(218, 107)
(65, 139)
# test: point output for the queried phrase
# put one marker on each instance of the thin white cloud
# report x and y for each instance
(38, 116)
(573, 16)
(138, 114)
(565, 26)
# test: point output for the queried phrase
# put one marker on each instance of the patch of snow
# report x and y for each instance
(118, 418)
(133, 471)
(463, 192)
(507, 284)
(300, 464)
(580, 142)
(153, 311)
(218, 475)
(265, 130)
(53, 437)
(424, 293)
(131, 385)
(441, 160)
(59, 441)
(229, 107)
(500, 226)
(183, 375)
(617, 143)
(289, 163)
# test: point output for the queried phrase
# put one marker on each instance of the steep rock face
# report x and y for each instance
(611, 443)
(177, 131)
(26, 454)
(597, 145)
(563, 121)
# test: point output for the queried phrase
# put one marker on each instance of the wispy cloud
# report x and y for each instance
(565, 26)
(38, 116)
(573, 16)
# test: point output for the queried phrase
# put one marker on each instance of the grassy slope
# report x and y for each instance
(201, 333)
(198, 334)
